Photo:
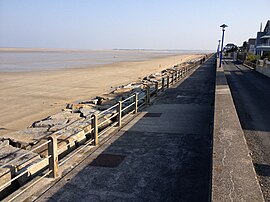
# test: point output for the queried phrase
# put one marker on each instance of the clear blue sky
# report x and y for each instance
(107, 24)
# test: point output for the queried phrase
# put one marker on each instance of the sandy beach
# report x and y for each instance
(29, 96)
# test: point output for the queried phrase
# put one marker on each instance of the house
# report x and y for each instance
(251, 45)
(230, 47)
(263, 40)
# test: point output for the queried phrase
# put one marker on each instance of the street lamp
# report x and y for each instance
(218, 48)
(223, 30)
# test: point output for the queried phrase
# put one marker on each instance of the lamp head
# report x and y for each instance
(223, 26)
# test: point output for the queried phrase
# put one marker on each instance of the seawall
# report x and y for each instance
(233, 174)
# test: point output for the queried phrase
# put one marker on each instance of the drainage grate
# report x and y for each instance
(152, 115)
(108, 160)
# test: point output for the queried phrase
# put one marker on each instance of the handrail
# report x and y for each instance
(107, 109)
(108, 119)
(21, 174)
(29, 152)
(128, 98)
(128, 106)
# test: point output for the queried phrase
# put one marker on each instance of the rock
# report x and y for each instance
(65, 115)
(50, 122)
(110, 102)
(23, 138)
(4, 143)
(94, 101)
(122, 90)
(87, 111)
(12, 167)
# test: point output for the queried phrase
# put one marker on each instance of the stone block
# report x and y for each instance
(23, 138)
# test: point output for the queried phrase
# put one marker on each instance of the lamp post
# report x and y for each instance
(223, 30)
(218, 48)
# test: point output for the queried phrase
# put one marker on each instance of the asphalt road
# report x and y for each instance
(251, 95)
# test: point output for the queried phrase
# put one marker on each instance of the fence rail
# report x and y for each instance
(117, 113)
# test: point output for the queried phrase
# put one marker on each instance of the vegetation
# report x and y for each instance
(251, 58)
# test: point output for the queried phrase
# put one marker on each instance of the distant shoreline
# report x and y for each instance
(14, 49)
(37, 60)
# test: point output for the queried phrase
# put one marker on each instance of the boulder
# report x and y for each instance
(26, 137)
(50, 122)
(12, 165)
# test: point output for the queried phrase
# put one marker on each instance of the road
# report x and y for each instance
(251, 95)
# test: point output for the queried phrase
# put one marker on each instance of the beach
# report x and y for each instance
(29, 96)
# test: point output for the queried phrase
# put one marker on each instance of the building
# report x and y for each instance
(230, 47)
(263, 40)
(251, 45)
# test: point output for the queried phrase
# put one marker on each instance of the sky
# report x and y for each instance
(129, 24)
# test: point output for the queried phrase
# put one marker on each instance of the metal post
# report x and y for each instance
(94, 124)
(168, 81)
(222, 40)
(53, 160)
(119, 111)
(220, 61)
(218, 48)
(135, 103)
(156, 88)
(172, 79)
(147, 99)
(162, 84)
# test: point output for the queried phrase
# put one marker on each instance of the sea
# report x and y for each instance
(17, 60)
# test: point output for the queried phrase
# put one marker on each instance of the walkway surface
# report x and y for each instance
(251, 94)
(164, 154)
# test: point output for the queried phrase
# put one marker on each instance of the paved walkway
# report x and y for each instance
(164, 154)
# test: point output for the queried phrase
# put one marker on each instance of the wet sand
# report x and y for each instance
(29, 96)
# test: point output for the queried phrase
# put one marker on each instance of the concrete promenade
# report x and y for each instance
(164, 154)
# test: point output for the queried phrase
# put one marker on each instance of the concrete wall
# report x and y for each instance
(263, 70)
(233, 174)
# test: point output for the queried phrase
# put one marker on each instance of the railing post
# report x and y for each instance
(147, 94)
(94, 123)
(168, 81)
(135, 103)
(156, 88)
(162, 84)
(119, 111)
(172, 79)
(175, 78)
(53, 160)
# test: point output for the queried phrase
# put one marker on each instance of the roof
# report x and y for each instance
(267, 27)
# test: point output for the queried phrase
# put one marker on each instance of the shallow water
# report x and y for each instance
(21, 61)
